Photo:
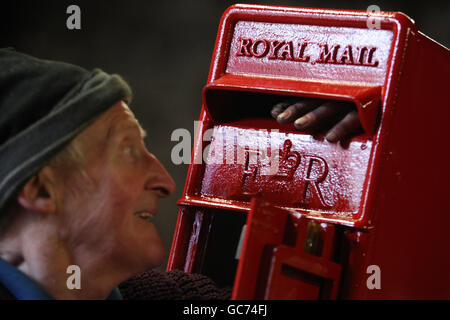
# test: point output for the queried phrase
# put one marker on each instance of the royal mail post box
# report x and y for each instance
(277, 213)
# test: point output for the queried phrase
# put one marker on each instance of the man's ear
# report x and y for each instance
(37, 194)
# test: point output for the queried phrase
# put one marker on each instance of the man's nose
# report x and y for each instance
(159, 180)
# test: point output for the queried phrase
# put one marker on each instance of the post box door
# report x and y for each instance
(286, 256)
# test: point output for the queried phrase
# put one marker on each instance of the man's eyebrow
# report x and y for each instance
(128, 125)
(142, 130)
(132, 125)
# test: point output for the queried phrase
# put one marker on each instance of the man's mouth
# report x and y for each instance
(146, 215)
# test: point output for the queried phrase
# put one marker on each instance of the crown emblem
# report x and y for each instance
(288, 162)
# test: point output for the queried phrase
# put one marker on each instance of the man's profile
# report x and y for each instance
(77, 184)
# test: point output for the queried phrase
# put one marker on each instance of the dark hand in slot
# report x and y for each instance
(340, 118)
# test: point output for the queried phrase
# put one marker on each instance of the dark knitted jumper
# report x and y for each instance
(172, 285)
(157, 285)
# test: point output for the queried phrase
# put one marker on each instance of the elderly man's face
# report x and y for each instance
(108, 217)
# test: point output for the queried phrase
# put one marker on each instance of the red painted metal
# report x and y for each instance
(270, 269)
(325, 213)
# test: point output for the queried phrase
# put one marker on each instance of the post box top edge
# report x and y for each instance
(318, 13)
(396, 22)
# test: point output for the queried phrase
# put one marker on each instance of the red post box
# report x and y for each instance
(278, 213)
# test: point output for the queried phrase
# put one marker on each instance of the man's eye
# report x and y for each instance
(127, 150)
(130, 151)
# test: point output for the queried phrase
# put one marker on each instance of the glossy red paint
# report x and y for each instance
(379, 199)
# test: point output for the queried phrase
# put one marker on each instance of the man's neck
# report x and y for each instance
(45, 258)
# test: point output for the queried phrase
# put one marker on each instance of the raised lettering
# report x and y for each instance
(250, 166)
(301, 52)
(314, 181)
(347, 56)
(263, 51)
(361, 52)
(245, 47)
(274, 48)
(365, 56)
(370, 57)
(328, 56)
(288, 162)
(287, 52)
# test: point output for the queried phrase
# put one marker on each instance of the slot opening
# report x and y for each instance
(253, 109)
(219, 236)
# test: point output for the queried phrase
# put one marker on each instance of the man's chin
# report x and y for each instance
(158, 255)
(148, 250)
(154, 253)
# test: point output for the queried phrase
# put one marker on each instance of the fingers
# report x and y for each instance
(348, 125)
(318, 115)
(288, 112)
(279, 108)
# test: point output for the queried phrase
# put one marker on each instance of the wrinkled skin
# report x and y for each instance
(89, 215)
(126, 179)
